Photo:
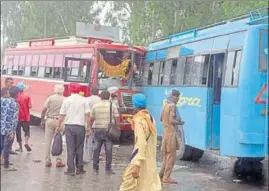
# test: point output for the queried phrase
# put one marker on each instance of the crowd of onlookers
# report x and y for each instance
(15, 115)
(85, 123)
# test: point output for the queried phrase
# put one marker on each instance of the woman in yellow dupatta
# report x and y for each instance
(141, 173)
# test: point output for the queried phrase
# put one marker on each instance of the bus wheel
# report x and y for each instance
(197, 154)
(185, 151)
(250, 169)
(35, 121)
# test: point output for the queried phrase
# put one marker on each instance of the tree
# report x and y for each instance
(149, 20)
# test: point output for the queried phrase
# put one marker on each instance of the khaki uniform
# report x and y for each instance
(53, 105)
(170, 142)
(145, 142)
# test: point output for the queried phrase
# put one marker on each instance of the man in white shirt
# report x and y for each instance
(74, 113)
(88, 145)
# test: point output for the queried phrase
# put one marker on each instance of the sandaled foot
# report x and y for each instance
(28, 148)
(19, 150)
(11, 152)
(60, 164)
(10, 169)
(169, 181)
(48, 164)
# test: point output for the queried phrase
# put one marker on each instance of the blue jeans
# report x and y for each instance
(5, 147)
(100, 138)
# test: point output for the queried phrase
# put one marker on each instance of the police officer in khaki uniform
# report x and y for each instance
(170, 144)
(51, 109)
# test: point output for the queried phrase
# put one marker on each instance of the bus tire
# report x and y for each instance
(197, 154)
(35, 121)
(249, 168)
(185, 151)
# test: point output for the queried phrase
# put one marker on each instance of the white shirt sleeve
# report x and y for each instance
(87, 106)
(63, 109)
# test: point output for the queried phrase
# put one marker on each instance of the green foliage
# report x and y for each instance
(39, 19)
(140, 21)
(150, 20)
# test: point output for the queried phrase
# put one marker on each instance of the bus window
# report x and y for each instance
(187, 71)
(50, 60)
(17, 59)
(4, 69)
(21, 65)
(74, 71)
(155, 73)
(57, 72)
(15, 64)
(166, 72)
(10, 64)
(14, 70)
(263, 51)
(196, 70)
(172, 80)
(41, 72)
(236, 68)
(180, 70)
(48, 72)
(232, 68)
(162, 72)
(28, 61)
(204, 70)
(58, 62)
(42, 60)
(149, 73)
(27, 70)
(34, 71)
(28, 64)
(21, 70)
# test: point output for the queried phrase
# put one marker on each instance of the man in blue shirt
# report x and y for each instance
(9, 120)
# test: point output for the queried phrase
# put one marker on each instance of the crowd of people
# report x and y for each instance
(15, 115)
(85, 121)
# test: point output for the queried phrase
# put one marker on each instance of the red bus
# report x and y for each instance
(41, 64)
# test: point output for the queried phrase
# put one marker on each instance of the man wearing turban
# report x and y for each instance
(141, 173)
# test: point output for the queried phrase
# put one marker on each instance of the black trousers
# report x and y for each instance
(26, 128)
(75, 136)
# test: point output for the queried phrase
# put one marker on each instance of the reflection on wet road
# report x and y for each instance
(33, 176)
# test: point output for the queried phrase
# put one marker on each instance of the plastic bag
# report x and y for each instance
(57, 145)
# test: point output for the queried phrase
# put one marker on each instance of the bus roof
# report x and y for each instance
(70, 44)
(255, 17)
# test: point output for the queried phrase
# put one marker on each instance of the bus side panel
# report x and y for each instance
(229, 123)
(242, 125)
(192, 107)
(37, 89)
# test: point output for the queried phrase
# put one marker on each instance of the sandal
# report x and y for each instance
(10, 169)
(170, 181)
(60, 164)
(28, 148)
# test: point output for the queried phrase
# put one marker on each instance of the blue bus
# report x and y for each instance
(221, 72)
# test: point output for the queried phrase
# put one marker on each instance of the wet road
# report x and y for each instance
(211, 173)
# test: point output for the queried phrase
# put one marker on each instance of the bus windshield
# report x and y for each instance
(263, 50)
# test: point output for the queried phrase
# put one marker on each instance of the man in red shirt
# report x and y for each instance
(24, 102)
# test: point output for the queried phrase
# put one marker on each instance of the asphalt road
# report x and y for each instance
(212, 172)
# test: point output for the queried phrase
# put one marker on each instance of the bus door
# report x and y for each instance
(216, 65)
(78, 70)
